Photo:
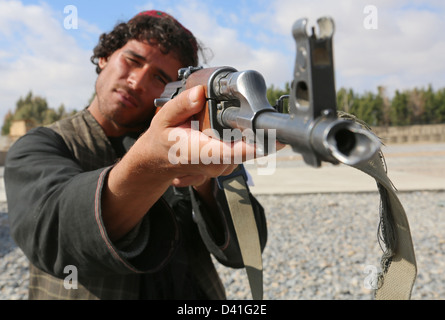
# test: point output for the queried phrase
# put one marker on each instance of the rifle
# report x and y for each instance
(237, 100)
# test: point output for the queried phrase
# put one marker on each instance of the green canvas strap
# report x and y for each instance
(399, 269)
(242, 215)
(243, 218)
(398, 262)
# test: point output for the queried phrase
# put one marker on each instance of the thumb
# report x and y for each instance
(182, 107)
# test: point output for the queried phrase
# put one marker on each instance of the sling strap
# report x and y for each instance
(398, 263)
(237, 195)
(243, 218)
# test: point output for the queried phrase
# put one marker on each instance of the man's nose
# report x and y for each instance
(136, 79)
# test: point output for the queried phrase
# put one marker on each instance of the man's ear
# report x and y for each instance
(102, 62)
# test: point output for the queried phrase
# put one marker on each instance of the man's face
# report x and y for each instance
(131, 78)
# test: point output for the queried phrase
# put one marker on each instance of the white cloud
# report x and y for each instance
(226, 44)
(406, 50)
(38, 54)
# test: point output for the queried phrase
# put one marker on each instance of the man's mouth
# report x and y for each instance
(126, 98)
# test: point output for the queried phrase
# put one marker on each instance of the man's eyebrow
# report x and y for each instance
(138, 56)
(134, 54)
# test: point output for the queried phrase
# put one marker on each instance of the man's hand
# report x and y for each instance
(145, 172)
(173, 121)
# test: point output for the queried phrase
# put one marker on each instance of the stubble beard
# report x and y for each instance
(115, 114)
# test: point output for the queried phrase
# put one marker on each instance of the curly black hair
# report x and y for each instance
(166, 33)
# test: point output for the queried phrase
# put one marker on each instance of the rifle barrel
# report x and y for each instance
(325, 139)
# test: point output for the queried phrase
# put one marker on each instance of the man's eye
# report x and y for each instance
(133, 62)
(161, 79)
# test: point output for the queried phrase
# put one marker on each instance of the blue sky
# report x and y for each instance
(405, 50)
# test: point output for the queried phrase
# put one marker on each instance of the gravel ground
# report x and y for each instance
(324, 246)
(321, 246)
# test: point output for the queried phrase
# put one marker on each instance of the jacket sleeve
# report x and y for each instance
(55, 214)
(220, 236)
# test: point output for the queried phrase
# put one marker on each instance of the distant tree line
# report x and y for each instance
(409, 107)
(35, 110)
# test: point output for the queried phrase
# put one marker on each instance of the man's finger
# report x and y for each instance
(182, 107)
